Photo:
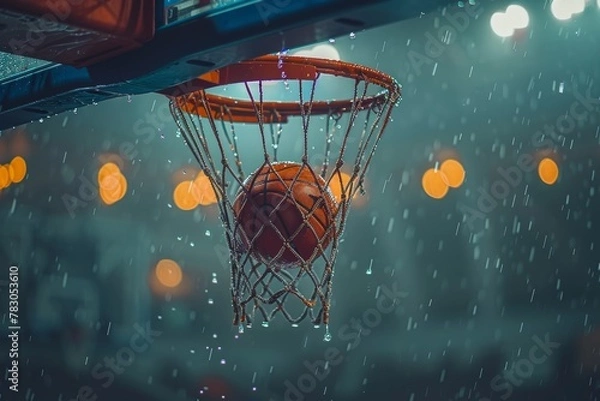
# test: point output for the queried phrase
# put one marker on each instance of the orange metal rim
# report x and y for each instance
(296, 68)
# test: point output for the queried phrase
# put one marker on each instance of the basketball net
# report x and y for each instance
(230, 138)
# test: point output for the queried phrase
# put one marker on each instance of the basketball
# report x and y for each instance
(283, 203)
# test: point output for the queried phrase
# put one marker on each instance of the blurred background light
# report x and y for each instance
(168, 273)
(548, 171)
(17, 169)
(518, 16)
(4, 177)
(501, 25)
(504, 23)
(453, 172)
(339, 184)
(183, 196)
(434, 184)
(565, 9)
(112, 184)
(326, 51)
(202, 190)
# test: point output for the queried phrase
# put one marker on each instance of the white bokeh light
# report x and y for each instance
(518, 16)
(320, 51)
(577, 6)
(565, 9)
(561, 10)
(504, 23)
(501, 25)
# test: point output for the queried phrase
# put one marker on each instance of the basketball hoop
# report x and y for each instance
(222, 134)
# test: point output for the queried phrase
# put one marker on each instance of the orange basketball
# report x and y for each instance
(285, 202)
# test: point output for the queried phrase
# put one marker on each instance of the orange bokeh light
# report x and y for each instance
(183, 196)
(113, 188)
(454, 173)
(202, 190)
(112, 184)
(17, 169)
(108, 169)
(4, 177)
(339, 184)
(168, 273)
(434, 183)
(548, 171)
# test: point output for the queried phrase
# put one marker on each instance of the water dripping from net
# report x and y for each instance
(327, 336)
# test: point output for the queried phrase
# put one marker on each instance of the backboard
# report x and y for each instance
(13, 66)
(189, 38)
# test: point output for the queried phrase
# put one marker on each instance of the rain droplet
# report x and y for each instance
(210, 301)
(265, 324)
(327, 336)
(352, 35)
(331, 40)
(370, 269)
(207, 233)
(241, 329)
